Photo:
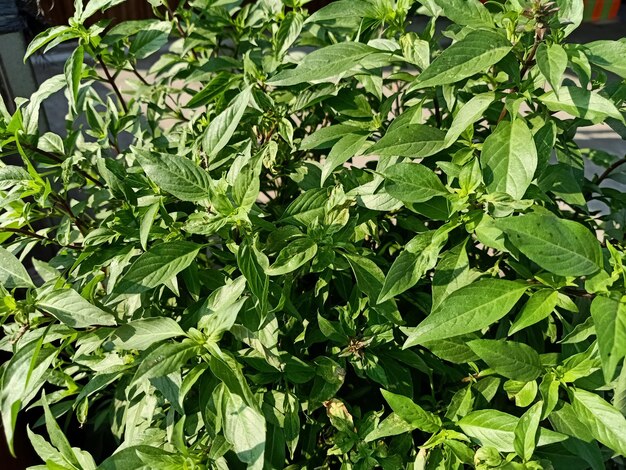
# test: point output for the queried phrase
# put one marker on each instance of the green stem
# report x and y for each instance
(29, 234)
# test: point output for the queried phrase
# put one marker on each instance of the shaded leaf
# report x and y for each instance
(581, 103)
(563, 247)
(294, 255)
(412, 413)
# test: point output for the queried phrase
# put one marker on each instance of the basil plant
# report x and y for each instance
(359, 238)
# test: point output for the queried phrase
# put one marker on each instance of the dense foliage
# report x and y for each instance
(226, 292)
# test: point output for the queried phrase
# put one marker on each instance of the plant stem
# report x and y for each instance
(139, 76)
(502, 113)
(82, 226)
(180, 29)
(525, 68)
(437, 110)
(28, 233)
(529, 60)
(578, 293)
(58, 159)
(610, 170)
(111, 81)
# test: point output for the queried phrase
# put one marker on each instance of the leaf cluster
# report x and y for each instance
(360, 238)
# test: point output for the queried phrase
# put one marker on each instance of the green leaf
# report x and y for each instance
(221, 319)
(570, 14)
(344, 9)
(307, 207)
(392, 425)
(251, 268)
(146, 224)
(609, 318)
(94, 5)
(226, 368)
(411, 140)
(294, 255)
(11, 176)
(562, 247)
(610, 55)
(545, 138)
(165, 359)
(150, 40)
(22, 377)
(12, 273)
(326, 137)
(57, 438)
(135, 458)
(222, 127)
(67, 306)
(412, 413)
(73, 73)
(413, 182)
(244, 428)
(471, 308)
(346, 148)
(603, 421)
(324, 64)
(473, 54)
(451, 274)
(218, 85)
(469, 113)
(178, 176)
(466, 12)
(454, 349)
(44, 449)
(509, 159)
(494, 428)
(540, 305)
(157, 266)
(581, 103)
(246, 187)
(527, 432)
(552, 62)
(419, 255)
(415, 50)
(516, 361)
(565, 420)
(30, 113)
(288, 32)
(47, 36)
(141, 334)
(292, 422)
(369, 277)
